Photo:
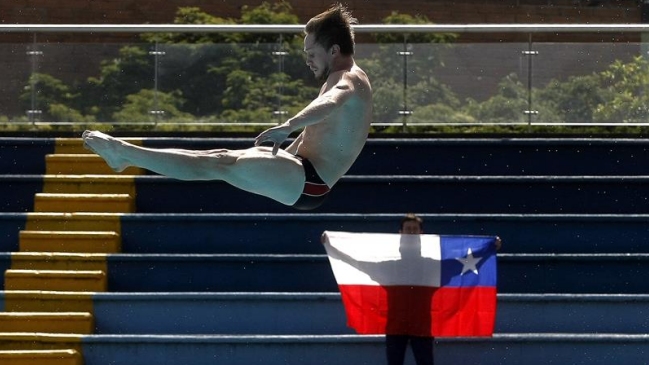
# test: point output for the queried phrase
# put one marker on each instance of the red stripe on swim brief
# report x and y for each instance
(315, 189)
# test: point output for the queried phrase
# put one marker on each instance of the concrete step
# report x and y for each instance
(89, 184)
(517, 273)
(55, 280)
(48, 301)
(278, 313)
(74, 221)
(58, 261)
(81, 164)
(532, 349)
(300, 232)
(41, 357)
(70, 241)
(440, 194)
(108, 203)
(461, 156)
(47, 322)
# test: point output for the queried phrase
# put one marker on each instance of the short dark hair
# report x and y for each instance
(333, 26)
(412, 217)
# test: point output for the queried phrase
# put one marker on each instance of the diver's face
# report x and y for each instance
(317, 58)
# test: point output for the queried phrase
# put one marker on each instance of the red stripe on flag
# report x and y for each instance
(419, 310)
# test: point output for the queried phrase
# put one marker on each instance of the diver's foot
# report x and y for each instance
(107, 147)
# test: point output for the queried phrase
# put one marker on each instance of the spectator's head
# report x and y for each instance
(412, 224)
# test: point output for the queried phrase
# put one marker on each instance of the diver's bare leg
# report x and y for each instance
(256, 170)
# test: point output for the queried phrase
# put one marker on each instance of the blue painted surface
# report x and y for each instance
(295, 233)
(572, 313)
(602, 349)
(24, 155)
(297, 273)
(390, 194)
(559, 349)
(10, 226)
(5, 264)
(323, 313)
(21, 190)
(220, 313)
(444, 156)
(461, 186)
(517, 273)
(475, 156)
(232, 350)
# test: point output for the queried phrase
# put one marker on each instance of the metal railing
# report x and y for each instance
(527, 67)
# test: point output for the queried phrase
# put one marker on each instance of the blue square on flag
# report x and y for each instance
(468, 261)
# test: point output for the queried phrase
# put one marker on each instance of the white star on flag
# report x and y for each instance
(469, 262)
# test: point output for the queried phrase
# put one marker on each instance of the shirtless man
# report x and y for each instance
(334, 129)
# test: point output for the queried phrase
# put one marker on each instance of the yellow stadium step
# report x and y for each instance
(40, 341)
(81, 164)
(56, 280)
(41, 357)
(70, 241)
(53, 221)
(58, 261)
(47, 322)
(104, 203)
(89, 184)
(47, 301)
(70, 146)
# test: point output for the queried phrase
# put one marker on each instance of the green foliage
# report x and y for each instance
(48, 90)
(397, 18)
(131, 72)
(189, 16)
(240, 78)
(139, 107)
(627, 88)
(506, 106)
(572, 101)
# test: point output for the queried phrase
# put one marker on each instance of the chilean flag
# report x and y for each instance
(419, 285)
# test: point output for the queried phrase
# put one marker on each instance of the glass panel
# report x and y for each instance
(469, 84)
(257, 85)
(573, 83)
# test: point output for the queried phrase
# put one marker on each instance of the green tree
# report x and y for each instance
(626, 87)
(400, 70)
(571, 101)
(54, 98)
(139, 107)
(506, 106)
(127, 74)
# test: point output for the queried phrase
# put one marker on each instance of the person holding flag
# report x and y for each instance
(413, 287)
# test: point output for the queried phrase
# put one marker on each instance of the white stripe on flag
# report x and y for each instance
(375, 258)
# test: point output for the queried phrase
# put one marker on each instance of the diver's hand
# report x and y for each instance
(275, 135)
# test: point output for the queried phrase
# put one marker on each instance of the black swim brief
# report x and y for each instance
(315, 190)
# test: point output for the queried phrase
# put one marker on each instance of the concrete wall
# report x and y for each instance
(438, 11)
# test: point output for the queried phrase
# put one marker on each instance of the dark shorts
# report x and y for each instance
(315, 190)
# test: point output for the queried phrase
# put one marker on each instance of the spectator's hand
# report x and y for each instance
(275, 135)
(498, 243)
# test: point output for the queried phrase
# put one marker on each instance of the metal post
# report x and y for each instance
(156, 112)
(530, 112)
(278, 112)
(405, 112)
(33, 113)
